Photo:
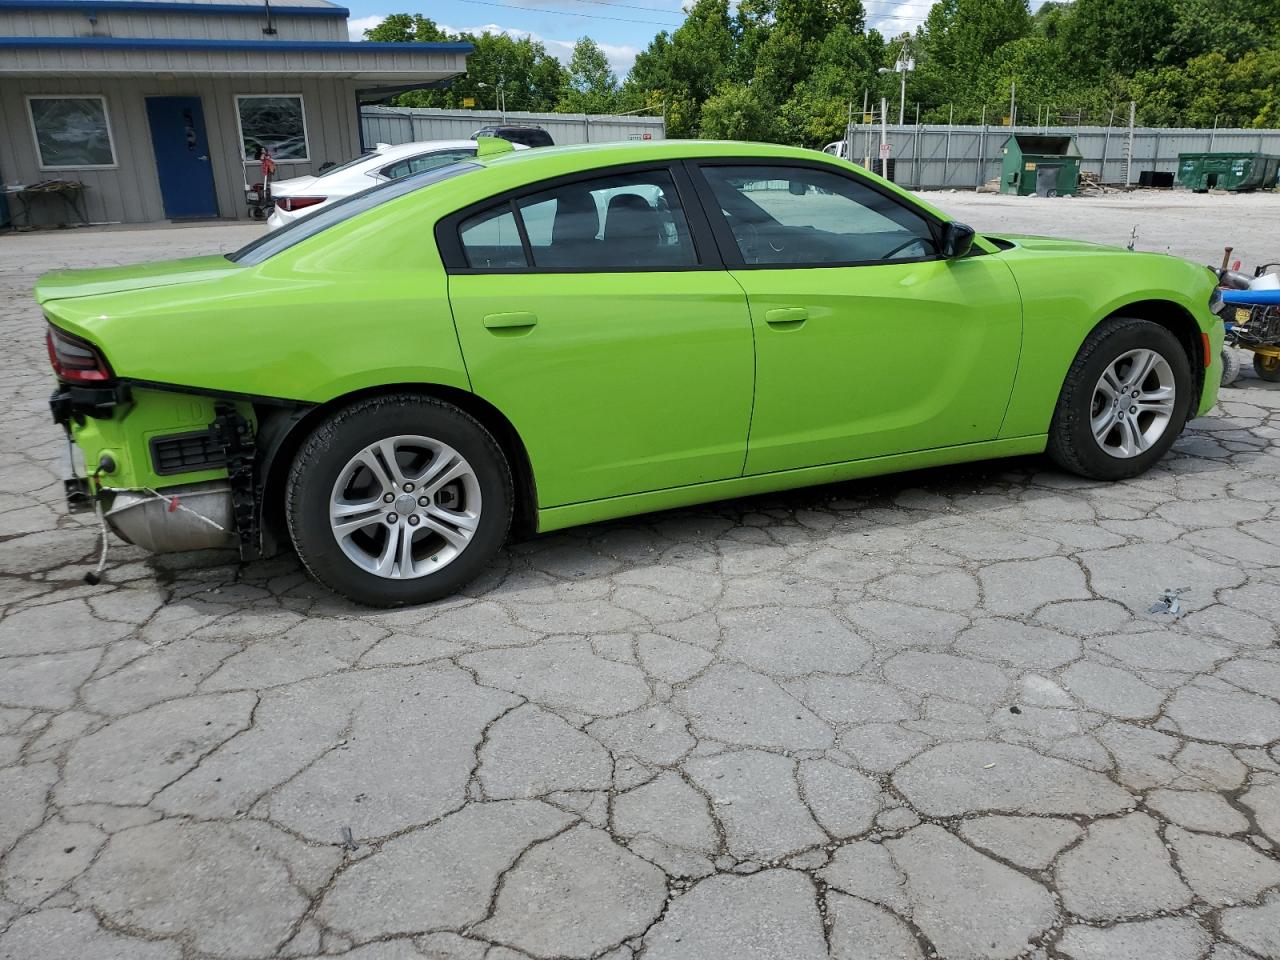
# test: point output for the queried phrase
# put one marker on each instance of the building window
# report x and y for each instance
(72, 133)
(274, 123)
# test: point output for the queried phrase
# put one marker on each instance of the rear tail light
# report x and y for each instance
(75, 360)
(298, 203)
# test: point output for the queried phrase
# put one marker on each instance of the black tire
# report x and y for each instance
(1230, 367)
(1072, 444)
(333, 444)
(1266, 367)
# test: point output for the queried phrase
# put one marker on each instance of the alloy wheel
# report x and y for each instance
(405, 507)
(1133, 403)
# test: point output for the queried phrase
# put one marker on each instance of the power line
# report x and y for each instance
(629, 6)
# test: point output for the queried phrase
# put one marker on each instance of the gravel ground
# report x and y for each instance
(927, 715)
(1195, 226)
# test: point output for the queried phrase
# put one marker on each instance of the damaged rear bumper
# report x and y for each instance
(170, 471)
(197, 516)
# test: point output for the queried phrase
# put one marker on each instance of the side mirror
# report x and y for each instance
(957, 239)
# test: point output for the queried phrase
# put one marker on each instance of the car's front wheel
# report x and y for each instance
(1124, 401)
(399, 499)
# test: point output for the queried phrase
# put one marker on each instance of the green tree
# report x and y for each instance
(592, 86)
(1101, 36)
(406, 28)
(1209, 88)
(685, 67)
(956, 39)
(734, 112)
(517, 70)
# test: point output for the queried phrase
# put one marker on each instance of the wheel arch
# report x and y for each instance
(1179, 321)
(282, 431)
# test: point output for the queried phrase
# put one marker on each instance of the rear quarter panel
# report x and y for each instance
(363, 304)
(1069, 290)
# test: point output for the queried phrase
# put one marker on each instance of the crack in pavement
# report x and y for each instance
(661, 737)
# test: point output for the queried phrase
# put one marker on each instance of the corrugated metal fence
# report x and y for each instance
(406, 124)
(963, 157)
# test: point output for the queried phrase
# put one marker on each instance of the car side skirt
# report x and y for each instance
(574, 514)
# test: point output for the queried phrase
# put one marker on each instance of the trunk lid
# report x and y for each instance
(69, 284)
(293, 186)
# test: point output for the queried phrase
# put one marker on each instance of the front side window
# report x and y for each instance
(623, 222)
(424, 162)
(71, 132)
(273, 124)
(802, 216)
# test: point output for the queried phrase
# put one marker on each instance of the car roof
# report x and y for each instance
(396, 150)
(587, 155)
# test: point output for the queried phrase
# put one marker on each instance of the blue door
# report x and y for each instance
(182, 157)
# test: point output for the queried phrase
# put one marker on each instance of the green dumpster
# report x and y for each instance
(1202, 172)
(1048, 166)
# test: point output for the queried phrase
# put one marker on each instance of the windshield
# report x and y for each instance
(282, 239)
(348, 165)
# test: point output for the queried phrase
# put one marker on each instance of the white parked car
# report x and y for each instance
(300, 196)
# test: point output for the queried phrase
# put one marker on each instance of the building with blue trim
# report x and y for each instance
(161, 108)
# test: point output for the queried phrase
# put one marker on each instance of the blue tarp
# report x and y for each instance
(1258, 298)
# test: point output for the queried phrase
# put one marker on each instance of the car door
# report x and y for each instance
(594, 313)
(868, 342)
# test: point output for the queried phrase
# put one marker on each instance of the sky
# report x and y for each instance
(622, 28)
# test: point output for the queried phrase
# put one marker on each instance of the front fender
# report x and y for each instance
(1066, 295)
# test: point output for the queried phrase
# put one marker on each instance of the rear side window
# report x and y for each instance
(491, 240)
(623, 222)
(424, 162)
(293, 233)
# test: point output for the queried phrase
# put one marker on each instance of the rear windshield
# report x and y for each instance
(348, 165)
(282, 239)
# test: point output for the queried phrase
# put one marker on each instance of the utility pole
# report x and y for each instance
(884, 136)
(982, 147)
(1128, 164)
(1213, 134)
(946, 161)
(848, 134)
(866, 139)
(1106, 143)
(1013, 109)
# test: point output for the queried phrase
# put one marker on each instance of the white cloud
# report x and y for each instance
(620, 56)
(357, 26)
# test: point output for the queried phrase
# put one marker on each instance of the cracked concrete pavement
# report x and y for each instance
(919, 716)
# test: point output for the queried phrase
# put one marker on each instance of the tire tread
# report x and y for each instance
(1068, 412)
(321, 439)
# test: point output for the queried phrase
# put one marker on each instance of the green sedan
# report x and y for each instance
(553, 337)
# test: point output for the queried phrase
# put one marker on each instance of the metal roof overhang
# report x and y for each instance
(373, 64)
(179, 6)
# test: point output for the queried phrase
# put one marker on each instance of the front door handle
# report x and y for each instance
(786, 316)
(510, 321)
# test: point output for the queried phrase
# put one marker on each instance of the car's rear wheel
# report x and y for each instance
(399, 499)
(1124, 401)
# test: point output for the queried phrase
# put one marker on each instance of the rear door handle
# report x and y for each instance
(510, 321)
(786, 316)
